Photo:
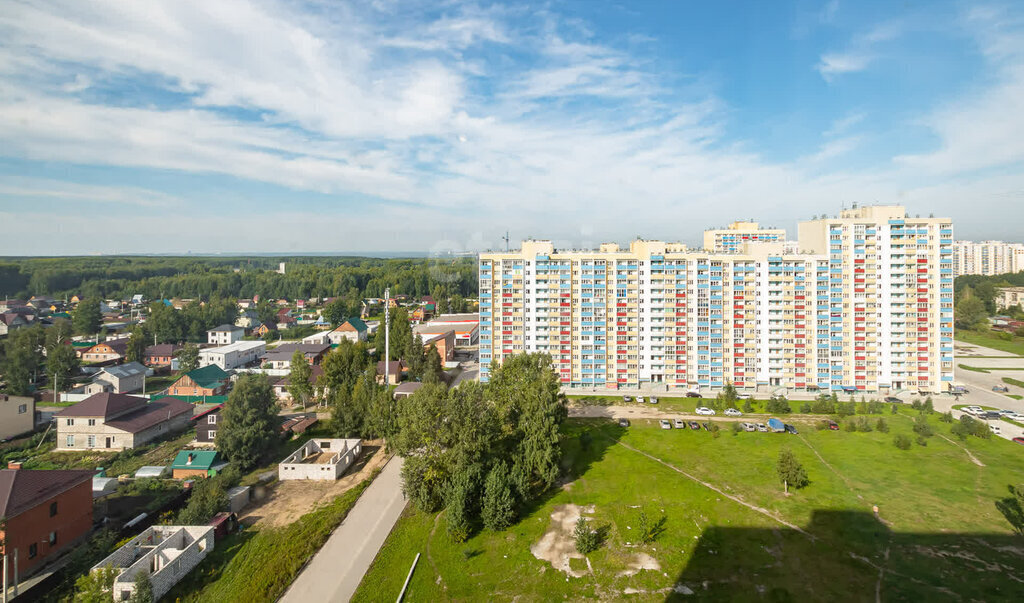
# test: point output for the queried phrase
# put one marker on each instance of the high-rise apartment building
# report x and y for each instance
(987, 257)
(866, 305)
(737, 234)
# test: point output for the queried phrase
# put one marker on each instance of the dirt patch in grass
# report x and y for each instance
(557, 546)
(639, 562)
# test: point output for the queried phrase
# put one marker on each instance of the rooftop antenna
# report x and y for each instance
(505, 238)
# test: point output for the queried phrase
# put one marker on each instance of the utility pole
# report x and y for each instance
(387, 334)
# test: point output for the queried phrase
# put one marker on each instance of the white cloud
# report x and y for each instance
(862, 51)
(35, 188)
(837, 64)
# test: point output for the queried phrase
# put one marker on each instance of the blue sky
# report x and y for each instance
(130, 126)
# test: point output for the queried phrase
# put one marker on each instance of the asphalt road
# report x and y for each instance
(336, 570)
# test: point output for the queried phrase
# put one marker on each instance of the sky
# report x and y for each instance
(138, 126)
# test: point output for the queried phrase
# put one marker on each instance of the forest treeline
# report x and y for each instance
(112, 277)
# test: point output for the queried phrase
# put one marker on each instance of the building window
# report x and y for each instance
(53, 538)
(33, 550)
(91, 441)
(69, 421)
(92, 422)
(213, 419)
(213, 434)
(53, 509)
(70, 442)
(22, 409)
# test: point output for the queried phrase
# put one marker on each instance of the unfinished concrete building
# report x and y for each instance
(165, 553)
(321, 459)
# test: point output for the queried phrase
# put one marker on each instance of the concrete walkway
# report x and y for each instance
(337, 569)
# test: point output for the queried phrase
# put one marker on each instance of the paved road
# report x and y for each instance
(338, 568)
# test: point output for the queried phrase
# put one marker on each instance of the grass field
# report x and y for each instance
(1012, 381)
(942, 532)
(988, 340)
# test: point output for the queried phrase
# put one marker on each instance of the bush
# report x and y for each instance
(946, 417)
(902, 442)
(922, 428)
(587, 540)
(922, 441)
(778, 406)
(805, 408)
(894, 408)
(881, 425)
(850, 425)
(650, 530)
(747, 406)
(736, 429)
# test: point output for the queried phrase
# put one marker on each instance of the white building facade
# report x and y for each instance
(234, 355)
(987, 257)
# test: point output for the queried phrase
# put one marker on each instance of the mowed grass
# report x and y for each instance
(941, 531)
(988, 340)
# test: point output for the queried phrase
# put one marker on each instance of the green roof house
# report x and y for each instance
(207, 381)
(196, 463)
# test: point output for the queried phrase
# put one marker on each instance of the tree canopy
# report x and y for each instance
(249, 421)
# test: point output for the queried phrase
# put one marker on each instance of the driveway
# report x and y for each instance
(336, 570)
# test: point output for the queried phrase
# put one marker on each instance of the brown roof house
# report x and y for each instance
(115, 349)
(395, 369)
(160, 354)
(45, 513)
(281, 385)
(119, 421)
(281, 356)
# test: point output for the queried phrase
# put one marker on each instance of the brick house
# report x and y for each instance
(196, 463)
(353, 329)
(17, 415)
(206, 424)
(209, 380)
(119, 421)
(164, 554)
(46, 512)
(115, 349)
(281, 385)
(444, 343)
(160, 355)
(281, 356)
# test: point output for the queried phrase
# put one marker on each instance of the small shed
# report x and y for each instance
(776, 425)
(238, 498)
(195, 463)
(223, 523)
(103, 486)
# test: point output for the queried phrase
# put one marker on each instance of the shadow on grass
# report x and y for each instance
(853, 556)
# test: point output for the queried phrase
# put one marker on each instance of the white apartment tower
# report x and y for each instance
(737, 234)
(865, 306)
(987, 257)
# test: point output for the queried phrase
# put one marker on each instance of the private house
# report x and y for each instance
(113, 350)
(206, 424)
(234, 355)
(209, 380)
(404, 390)
(164, 553)
(422, 313)
(245, 304)
(442, 338)
(17, 415)
(10, 321)
(119, 421)
(320, 459)
(281, 356)
(353, 329)
(120, 379)
(247, 319)
(160, 355)
(297, 424)
(281, 385)
(263, 329)
(45, 513)
(224, 334)
(286, 322)
(395, 370)
(196, 463)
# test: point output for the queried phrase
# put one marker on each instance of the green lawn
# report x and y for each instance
(161, 452)
(158, 384)
(972, 368)
(989, 340)
(942, 525)
(1012, 381)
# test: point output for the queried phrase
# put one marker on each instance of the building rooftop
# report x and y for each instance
(151, 414)
(238, 346)
(208, 377)
(224, 328)
(22, 489)
(123, 371)
(196, 459)
(106, 405)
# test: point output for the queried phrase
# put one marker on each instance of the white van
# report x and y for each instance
(994, 428)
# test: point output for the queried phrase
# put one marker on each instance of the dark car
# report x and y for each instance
(893, 400)
(833, 426)
(693, 395)
(1019, 440)
(991, 415)
(706, 427)
(623, 422)
(791, 429)
(694, 425)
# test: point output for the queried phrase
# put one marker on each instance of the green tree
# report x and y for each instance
(136, 350)
(791, 472)
(1012, 508)
(335, 312)
(188, 358)
(342, 367)
(249, 421)
(499, 505)
(415, 357)
(299, 385)
(62, 364)
(86, 317)
(969, 311)
(587, 539)
(401, 334)
(143, 589)
(96, 586)
(21, 359)
(901, 441)
(458, 512)
(432, 369)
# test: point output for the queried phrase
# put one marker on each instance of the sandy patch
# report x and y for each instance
(557, 546)
(640, 561)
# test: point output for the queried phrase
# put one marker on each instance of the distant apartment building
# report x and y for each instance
(732, 238)
(1007, 297)
(987, 257)
(866, 306)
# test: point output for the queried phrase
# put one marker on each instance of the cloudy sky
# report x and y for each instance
(133, 126)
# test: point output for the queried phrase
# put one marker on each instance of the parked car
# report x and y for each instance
(640, 399)
(1000, 388)
(623, 422)
(627, 399)
(833, 426)
(694, 425)
(653, 399)
(665, 424)
(704, 410)
(748, 426)
(972, 409)
(791, 429)
(732, 412)
(1006, 413)
(994, 428)
(693, 395)
(680, 424)
(743, 396)
(893, 400)
(990, 415)
(762, 427)
(1019, 440)
(706, 426)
